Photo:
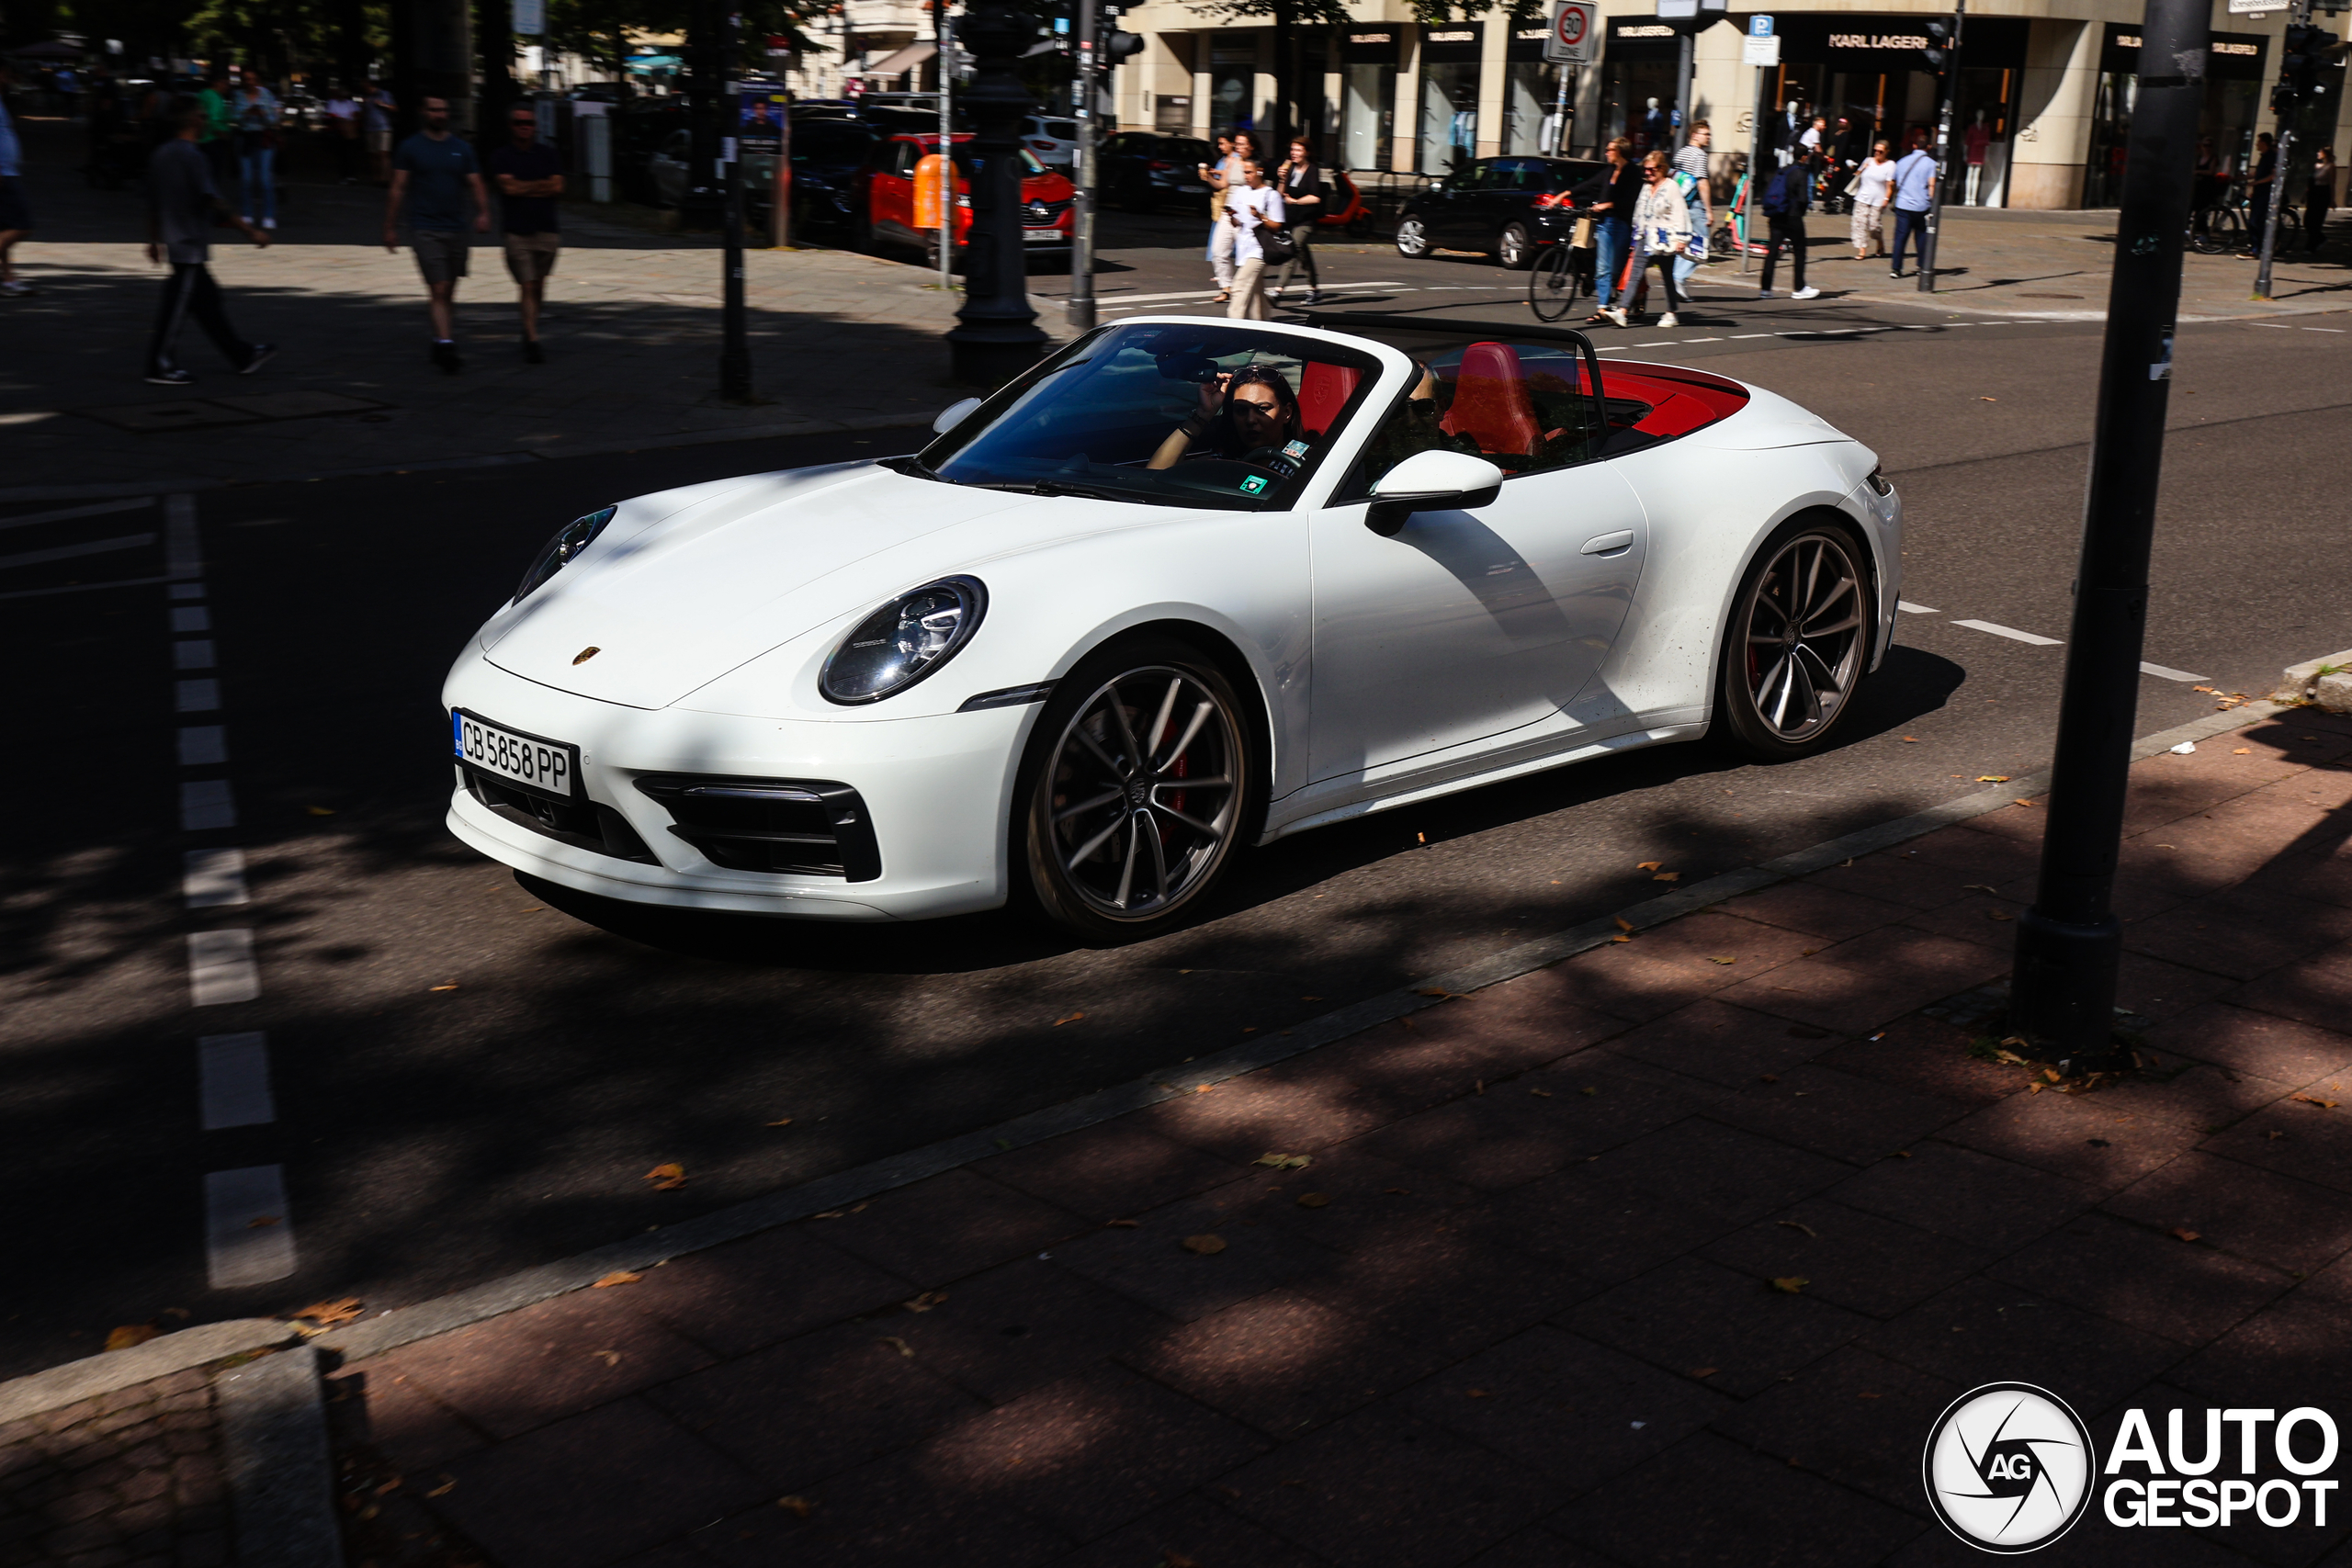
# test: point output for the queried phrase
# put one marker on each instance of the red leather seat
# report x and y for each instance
(1323, 391)
(1491, 404)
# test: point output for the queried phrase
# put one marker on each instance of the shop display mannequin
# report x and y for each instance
(1975, 139)
(1791, 125)
(1654, 127)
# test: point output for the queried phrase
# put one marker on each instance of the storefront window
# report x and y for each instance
(2225, 125)
(1641, 61)
(1448, 134)
(1232, 75)
(1530, 95)
(1367, 97)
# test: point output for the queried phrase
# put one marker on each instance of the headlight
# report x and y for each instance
(904, 640)
(1877, 482)
(574, 537)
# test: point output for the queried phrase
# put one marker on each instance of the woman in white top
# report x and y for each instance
(1873, 185)
(1248, 208)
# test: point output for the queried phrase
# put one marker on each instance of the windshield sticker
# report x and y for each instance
(1253, 485)
(1295, 449)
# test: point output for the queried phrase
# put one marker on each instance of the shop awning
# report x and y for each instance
(899, 63)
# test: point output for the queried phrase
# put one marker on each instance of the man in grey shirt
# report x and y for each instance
(182, 202)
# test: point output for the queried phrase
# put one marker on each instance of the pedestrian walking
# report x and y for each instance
(1304, 190)
(435, 172)
(1661, 230)
(1257, 204)
(1914, 185)
(376, 124)
(2319, 198)
(1874, 189)
(1612, 228)
(1691, 161)
(255, 108)
(343, 122)
(530, 176)
(182, 201)
(1233, 151)
(219, 142)
(1787, 194)
(15, 217)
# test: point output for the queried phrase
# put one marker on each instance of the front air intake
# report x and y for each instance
(797, 827)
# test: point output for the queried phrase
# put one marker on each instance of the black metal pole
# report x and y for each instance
(997, 336)
(1943, 149)
(735, 344)
(2284, 106)
(1081, 308)
(704, 206)
(2069, 943)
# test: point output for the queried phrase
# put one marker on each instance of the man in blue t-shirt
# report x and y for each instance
(435, 172)
(1915, 192)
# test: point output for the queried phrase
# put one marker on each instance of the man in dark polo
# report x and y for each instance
(435, 172)
(530, 178)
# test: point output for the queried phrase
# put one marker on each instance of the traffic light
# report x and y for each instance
(1113, 44)
(2306, 49)
(1938, 38)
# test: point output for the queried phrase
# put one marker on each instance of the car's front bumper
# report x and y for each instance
(936, 792)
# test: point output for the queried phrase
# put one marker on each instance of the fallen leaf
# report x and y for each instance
(1667, 876)
(1791, 1283)
(2314, 1100)
(1623, 923)
(900, 1346)
(320, 810)
(781, 1122)
(666, 1177)
(1911, 740)
(1314, 1199)
(1998, 915)
(617, 1277)
(343, 1311)
(1203, 1087)
(1799, 1225)
(263, 1222)
(1541, 1093)
(448, 1483)
(1072, 1019)
(799, 1507)
(1282, 1161)
(440, 987)
(610, 1358)
(1992, 778)
(1732, 960)
(2180, 1234)
(1868, 1394)
(2050, 1074)
(1704, 1371)
(1978, 887)
(1648, 865)
(2035, 1088)
(1204, 1246)
(1481, 1393)
(1621, 936)
(1985, 400)
(180, 1313)
(829, 1214)
(1588, 1089)
(132, 1334)
(926, 1301)
(2241, 751)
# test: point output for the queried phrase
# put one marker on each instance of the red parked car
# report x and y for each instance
(885, 196)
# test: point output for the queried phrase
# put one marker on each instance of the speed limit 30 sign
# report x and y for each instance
(1573, 25)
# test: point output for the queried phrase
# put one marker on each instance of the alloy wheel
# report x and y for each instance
(1806, 634)
(1412, 238)
(1146, 792)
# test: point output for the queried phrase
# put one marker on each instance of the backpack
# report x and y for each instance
(1784, 190)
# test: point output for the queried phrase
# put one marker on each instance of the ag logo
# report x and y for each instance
(2008, 1467)
(1252, 485)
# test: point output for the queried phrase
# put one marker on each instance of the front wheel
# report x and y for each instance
(1515, 249)
(1797, 644)
(1412, 238)
(1141, 777)
(1552, 286)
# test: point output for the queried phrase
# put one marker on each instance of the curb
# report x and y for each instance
(281, 1482)
(159, 1358)
(404, 1325)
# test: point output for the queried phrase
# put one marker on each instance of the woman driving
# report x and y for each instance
(1238, 415)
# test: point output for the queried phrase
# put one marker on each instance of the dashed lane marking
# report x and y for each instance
(191, 618)
(196, 653)
(196, 697)
(2010, 632)
(2162, 673)
(248, 1236)
(203, 745)
(213, 877)
(182, 558)
(207, 805)
(1908, 608)
(232, 1081)
(220, 968)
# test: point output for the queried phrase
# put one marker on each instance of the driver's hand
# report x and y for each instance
(1213, 393)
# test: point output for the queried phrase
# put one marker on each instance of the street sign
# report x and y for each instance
(530, 17)
(1570, 40)
(1759, 26)
(1763, 51)
(2255, 8)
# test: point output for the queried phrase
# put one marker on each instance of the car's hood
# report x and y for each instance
(671, 600)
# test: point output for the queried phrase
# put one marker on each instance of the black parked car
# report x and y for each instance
(826, 154)
(1140, 171)
(1491, 206)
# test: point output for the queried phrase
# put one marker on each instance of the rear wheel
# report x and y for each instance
(1515, 249)
(1552, 286)
(1141, 778)
(1412, 238)
(1798, 643)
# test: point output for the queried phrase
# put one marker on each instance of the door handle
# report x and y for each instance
(1608, 543)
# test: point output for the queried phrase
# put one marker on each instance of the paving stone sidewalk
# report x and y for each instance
(1669, 1253)
(133, 1477)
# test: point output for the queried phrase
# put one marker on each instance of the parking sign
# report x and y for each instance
(1759, 26)
(1570, 39)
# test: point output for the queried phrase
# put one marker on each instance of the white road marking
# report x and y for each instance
(206, 804)
(220, 968)
(71, 512)
(232, 1081)
(1123, 301)
(2339, 330)
(248, 1239)
(1736, 337)
(203, 745)
(196, 653)
(2010, 632)
(69, 552)
(84, 587)
(197, 696)
(182, 559)
(191, 618)
(1657, 343)
(213, 877)
(2270, 326)
(2162, 673)
(185, 589)
(1909, 608)
(1702, 340)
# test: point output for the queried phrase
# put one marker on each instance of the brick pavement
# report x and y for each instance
(1518, 1307)
(132, 1478)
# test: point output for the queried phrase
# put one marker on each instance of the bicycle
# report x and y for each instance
(1563, 275)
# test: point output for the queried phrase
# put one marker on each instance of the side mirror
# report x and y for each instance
(952, 415)
(1430, 481)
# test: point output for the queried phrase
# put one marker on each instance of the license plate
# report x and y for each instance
(1041, 236)
(546, 767)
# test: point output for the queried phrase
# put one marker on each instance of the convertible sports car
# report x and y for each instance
(1187, 586)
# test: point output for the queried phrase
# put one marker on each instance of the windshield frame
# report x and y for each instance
(1326, 464)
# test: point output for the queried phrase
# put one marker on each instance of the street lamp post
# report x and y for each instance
(2070, 943)
(1943, 149)
(735, 344)
(996, 337)
(1081, 308)
(2284, 101)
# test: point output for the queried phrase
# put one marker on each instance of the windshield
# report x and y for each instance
(1187, 414)
(966, 161)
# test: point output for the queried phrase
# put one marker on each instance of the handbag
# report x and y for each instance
(1580, 234)
(1275, 242)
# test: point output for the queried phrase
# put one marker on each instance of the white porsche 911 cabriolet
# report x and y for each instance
(1187, 586)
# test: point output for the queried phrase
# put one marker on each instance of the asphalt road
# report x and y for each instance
(471, 1073)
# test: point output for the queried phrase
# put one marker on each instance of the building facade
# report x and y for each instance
(2042, 99)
